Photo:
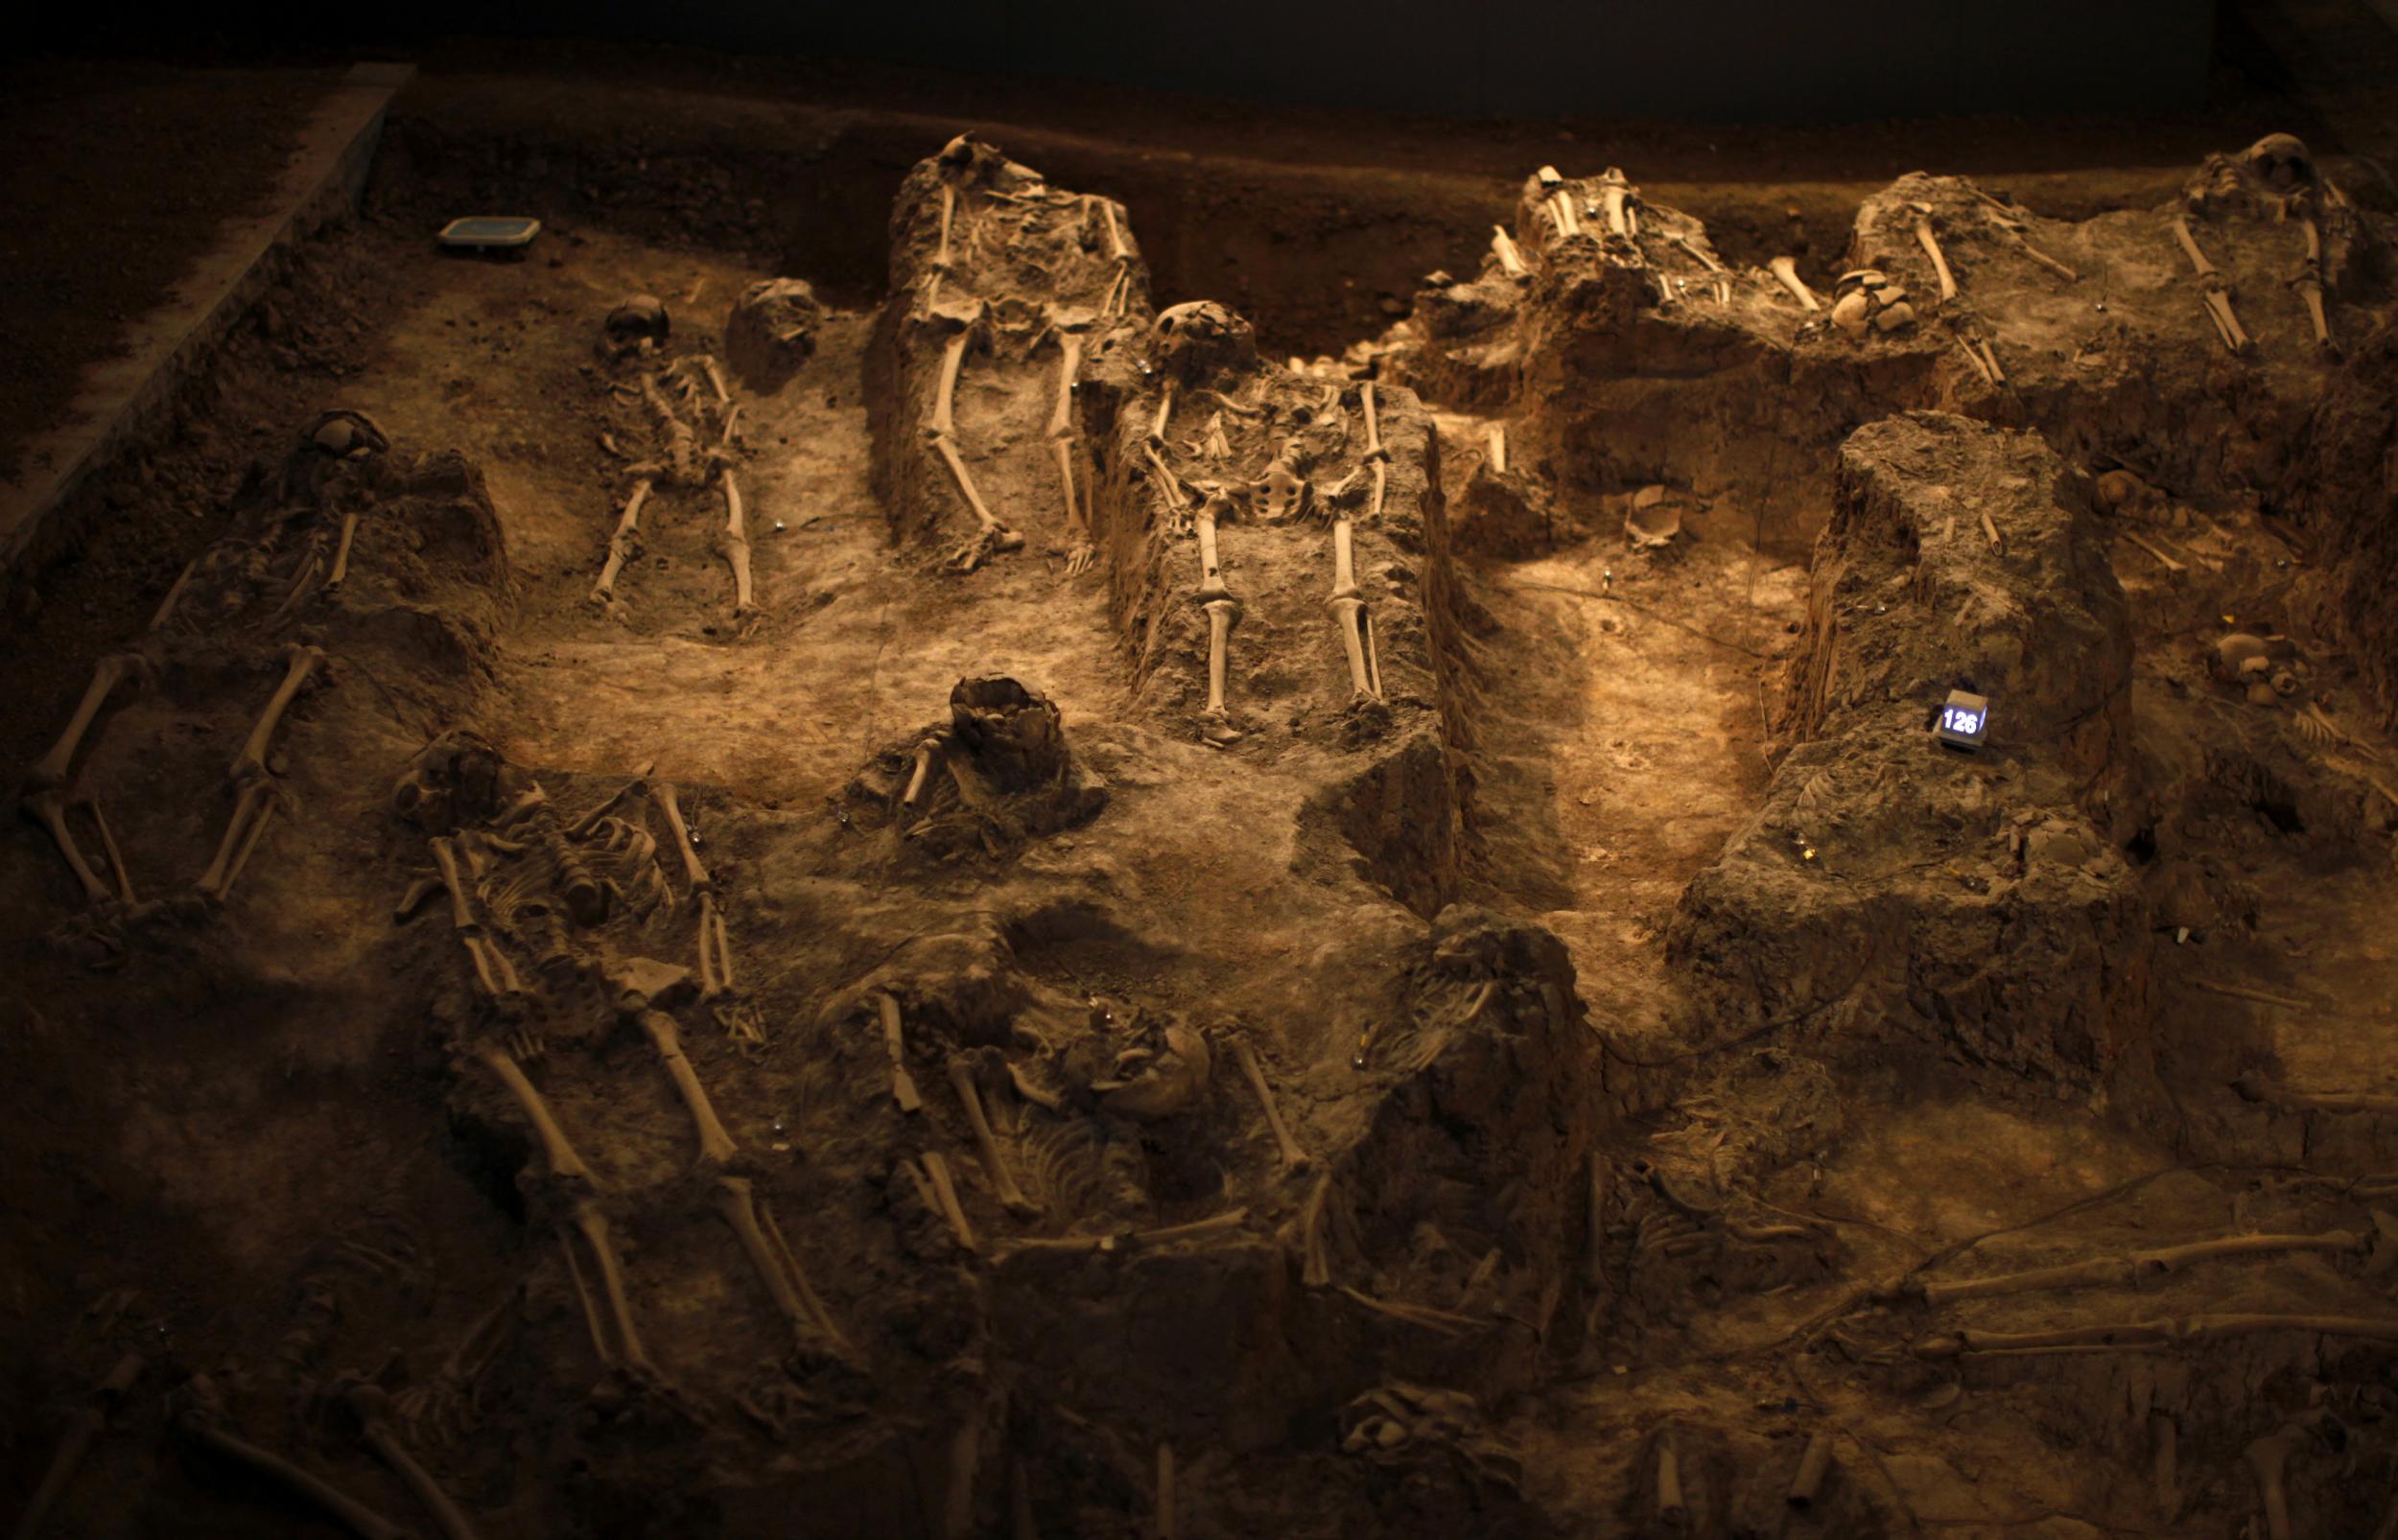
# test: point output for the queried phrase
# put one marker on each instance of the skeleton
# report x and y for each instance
(1787, 270)
(494, 975)
(895, 1044)
(83, 1425)
(257, 790)
(717, 989)
(2135, 1335)
(1223, 612)
(752, 1221)
(991, 536)
(933, 1184)
(2128, 1269)
(1294, 1158)
(45, 799)
(2211, 291)
(202, 1423)
(617, 1340)
(1349, 608)
(995, 1164)
(372, 1408)
(1118, 300)
(2309, 283)
(1063, 443)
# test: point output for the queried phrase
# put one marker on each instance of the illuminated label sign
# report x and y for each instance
(1963, 720)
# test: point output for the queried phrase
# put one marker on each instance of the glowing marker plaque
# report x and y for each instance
(1963, 721)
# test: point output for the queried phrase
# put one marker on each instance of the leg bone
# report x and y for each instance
(1294, 1158)
(1011, 1196)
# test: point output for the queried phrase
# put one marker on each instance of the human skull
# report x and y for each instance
(456, 780)
(342, 433)
(2121, 491)
(1201, 340)
(637, 325)
(2281, 162)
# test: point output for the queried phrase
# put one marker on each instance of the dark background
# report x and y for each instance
(1716, 60)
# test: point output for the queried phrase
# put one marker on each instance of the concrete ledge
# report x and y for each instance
(120, 395)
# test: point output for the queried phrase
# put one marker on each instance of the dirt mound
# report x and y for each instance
(1974, 903)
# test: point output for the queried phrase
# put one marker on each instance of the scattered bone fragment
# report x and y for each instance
(995, 1164)
(372, 1408)
(736, 545)
(83, 1425)
(1293, 1157)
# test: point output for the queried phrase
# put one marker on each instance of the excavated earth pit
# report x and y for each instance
(688, 905)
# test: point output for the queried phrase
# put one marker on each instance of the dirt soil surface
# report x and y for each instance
(133, 169)
(969, 897)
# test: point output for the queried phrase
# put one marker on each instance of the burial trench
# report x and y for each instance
(1487, 1163)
